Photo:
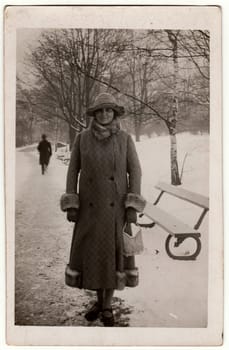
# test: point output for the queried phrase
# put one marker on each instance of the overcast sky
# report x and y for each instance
(26, 38)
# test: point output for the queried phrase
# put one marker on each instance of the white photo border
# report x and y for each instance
(138, 17)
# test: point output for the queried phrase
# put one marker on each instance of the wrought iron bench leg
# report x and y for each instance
(180, 239)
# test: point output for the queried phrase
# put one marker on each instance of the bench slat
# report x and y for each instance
(181, 193)
(166, 221)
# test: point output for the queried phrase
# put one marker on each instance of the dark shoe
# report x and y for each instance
(108, 317)
(93, 312)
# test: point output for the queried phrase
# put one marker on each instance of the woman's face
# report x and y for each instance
(104, 115)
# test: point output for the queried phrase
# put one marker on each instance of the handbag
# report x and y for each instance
(132, 245)
(73, 278)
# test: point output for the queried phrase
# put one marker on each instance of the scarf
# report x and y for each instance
(102, 132)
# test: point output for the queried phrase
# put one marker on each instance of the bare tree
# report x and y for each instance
(172, 118)
(196, 47)
(66, 63)
(153, 72)
(26, 116)
(139, 69)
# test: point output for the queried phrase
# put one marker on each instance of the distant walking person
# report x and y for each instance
(45, 150)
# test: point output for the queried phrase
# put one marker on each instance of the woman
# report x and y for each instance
(110, 177)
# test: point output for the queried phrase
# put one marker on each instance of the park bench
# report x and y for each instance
(60, 156)
(66, 160)
(63, 154)
(175, 227)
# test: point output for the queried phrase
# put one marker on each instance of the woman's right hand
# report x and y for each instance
(72, 214)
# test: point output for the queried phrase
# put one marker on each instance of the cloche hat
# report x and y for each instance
(105, 100)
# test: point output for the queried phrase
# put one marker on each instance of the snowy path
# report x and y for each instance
(43, 238)
(170, 294)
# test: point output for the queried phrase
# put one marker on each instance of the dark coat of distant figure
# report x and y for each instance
(45, 151)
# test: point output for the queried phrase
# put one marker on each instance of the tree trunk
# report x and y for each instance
(30, 132)
(137, 129)
(87, 97)
(72, 134)
(171, 124)
(136, 121)
(175, 178)
(133, 73)
(172, 120)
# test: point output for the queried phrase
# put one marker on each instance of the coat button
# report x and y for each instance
(112, 178)
(90, 204)
(112, 204)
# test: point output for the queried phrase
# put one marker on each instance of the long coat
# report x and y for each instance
(45, 151)
(103, 172)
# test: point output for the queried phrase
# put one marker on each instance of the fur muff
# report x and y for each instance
(69, 200)
(135, 201)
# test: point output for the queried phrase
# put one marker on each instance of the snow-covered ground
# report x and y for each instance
(171, 293)
(175, 292)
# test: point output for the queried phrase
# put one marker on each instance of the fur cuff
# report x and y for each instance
(69, 200)
(135, 201)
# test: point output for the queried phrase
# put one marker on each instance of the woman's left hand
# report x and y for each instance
(72, 215)
(131, 215)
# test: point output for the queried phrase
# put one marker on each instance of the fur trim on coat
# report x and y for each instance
(69, 200)
(73, 278)
(135, 201)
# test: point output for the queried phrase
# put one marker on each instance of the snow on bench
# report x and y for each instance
(186, 195)
(175, 227)
(168, 222)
